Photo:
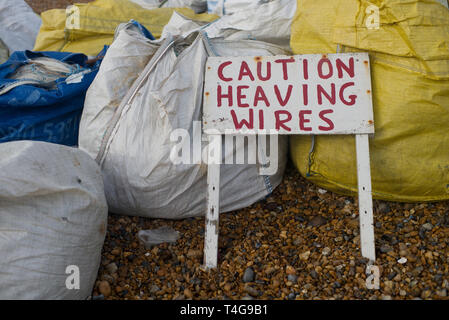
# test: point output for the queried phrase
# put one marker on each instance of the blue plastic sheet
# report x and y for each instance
(44, 110)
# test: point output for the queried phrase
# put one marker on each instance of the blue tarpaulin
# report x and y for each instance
(44, 106)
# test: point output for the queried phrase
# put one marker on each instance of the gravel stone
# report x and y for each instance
(248, 276)
(104, 288)
(427, 226)
(111, 268)
(293, 278)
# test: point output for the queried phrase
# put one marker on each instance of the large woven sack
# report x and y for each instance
(53, 217)
(134, 147)
(409, 53)
(87, 27)
(268, 21)
(19, 25)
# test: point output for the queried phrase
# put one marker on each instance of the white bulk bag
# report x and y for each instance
(19, 25)
(272, 24)
(139, 177)
(263, 21)
(268, 22)
(125, 59)
(53, 217)
(180, 25)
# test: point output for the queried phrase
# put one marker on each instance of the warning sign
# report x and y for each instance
(301, 94)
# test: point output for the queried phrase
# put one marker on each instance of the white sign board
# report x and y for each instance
(303, 94)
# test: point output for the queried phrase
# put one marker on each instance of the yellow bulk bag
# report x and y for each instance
(409, 53)
(87, 27)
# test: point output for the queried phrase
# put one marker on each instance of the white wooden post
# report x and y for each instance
(213, 201)
(367, 242)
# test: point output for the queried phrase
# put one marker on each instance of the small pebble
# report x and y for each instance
(317, 221)
(111, 268)
(402, 260)
(290, 270)
(384, 208)
(188, 294)
(442, 293)
(154, 288)
(99, 297)
(304, 255)
(248, 276)
(251, 291)
(293, 278)
(425, 294)
(104, 288)
(427, 226)
(326, 251)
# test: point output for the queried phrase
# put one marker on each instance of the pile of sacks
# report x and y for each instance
(54, 197)
(147, 83)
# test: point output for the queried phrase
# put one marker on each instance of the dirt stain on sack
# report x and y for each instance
(102, 229)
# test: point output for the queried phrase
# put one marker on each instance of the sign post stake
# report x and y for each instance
(213, 201)
(367, 242)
